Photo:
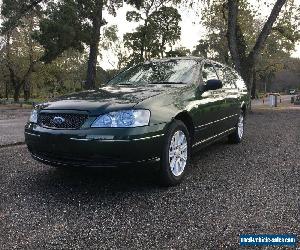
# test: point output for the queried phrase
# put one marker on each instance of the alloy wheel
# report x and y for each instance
(178, 153)
(240, 126)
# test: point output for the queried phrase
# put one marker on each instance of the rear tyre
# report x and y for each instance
(176, 154)
(238, 133)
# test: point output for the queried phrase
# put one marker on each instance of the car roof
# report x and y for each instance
(177, 58)
(195, 58)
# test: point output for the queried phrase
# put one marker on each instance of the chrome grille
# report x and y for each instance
(61, 121)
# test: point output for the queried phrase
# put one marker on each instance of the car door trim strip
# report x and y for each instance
(227, 117)
(212, 137)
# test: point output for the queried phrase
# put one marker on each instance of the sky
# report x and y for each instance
(191, 29)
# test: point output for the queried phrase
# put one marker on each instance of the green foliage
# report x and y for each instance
(66, 28)
(279, 44)
(20, 56)
(69, 24)
(74, 24)
(203, 47)
(178, 52)
(133, 16)
(214, 18)
(63, 28)
(14, 10)
(109, 37)
(61, 32)
(165, 22)
(160, 30)
(134, 42)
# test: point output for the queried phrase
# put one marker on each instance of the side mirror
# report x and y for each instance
(212, 84)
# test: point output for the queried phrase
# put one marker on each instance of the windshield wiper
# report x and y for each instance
(166, 82)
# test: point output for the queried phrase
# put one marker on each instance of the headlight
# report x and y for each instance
(33, 116)
(123, 119)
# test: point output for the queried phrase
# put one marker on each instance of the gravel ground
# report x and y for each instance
(12, 122)
(253, 187)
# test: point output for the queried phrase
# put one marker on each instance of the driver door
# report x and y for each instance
(208, 110)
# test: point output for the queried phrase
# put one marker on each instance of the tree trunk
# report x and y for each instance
(142, 47)
(17, 81)
(143, 40)
(232, 33)
(142, 50)
(162, 45)
(17, 90)
(26, 89)
(266, 30)
(253, 89)
(245, 65)
(92, 65)
(6, 89)
(247, 75)
(94, 50)
(27, 85)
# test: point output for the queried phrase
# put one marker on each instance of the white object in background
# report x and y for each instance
(272, 100)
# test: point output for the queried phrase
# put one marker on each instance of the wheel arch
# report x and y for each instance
(188, 121)
(244, 108)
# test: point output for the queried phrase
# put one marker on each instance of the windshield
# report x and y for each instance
(163, 72)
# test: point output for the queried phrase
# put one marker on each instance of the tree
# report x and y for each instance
(180, 51)
(14, 10)
(202, 48)
(111, 46)
(276, 51)
(215, 44)
(73, 24)
(135, 42)
(21, 55)
(64, 74)
(20, 18)
(245, 62)
(142, 39)
(214, 19)
(160, 29)
(165, 23)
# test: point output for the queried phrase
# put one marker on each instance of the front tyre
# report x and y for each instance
(237, 135)
(176, 154)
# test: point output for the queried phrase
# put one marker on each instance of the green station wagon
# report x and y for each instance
(153, 113)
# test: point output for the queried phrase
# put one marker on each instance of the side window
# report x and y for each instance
(230, 78)
(220, 72)
(225, 76)
(208, 72)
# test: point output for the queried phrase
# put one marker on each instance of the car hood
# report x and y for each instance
(107, 98)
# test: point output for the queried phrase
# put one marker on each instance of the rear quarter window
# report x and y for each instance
(240, 84)
(233, 79)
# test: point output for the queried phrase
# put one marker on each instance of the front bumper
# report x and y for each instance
(96, 146)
